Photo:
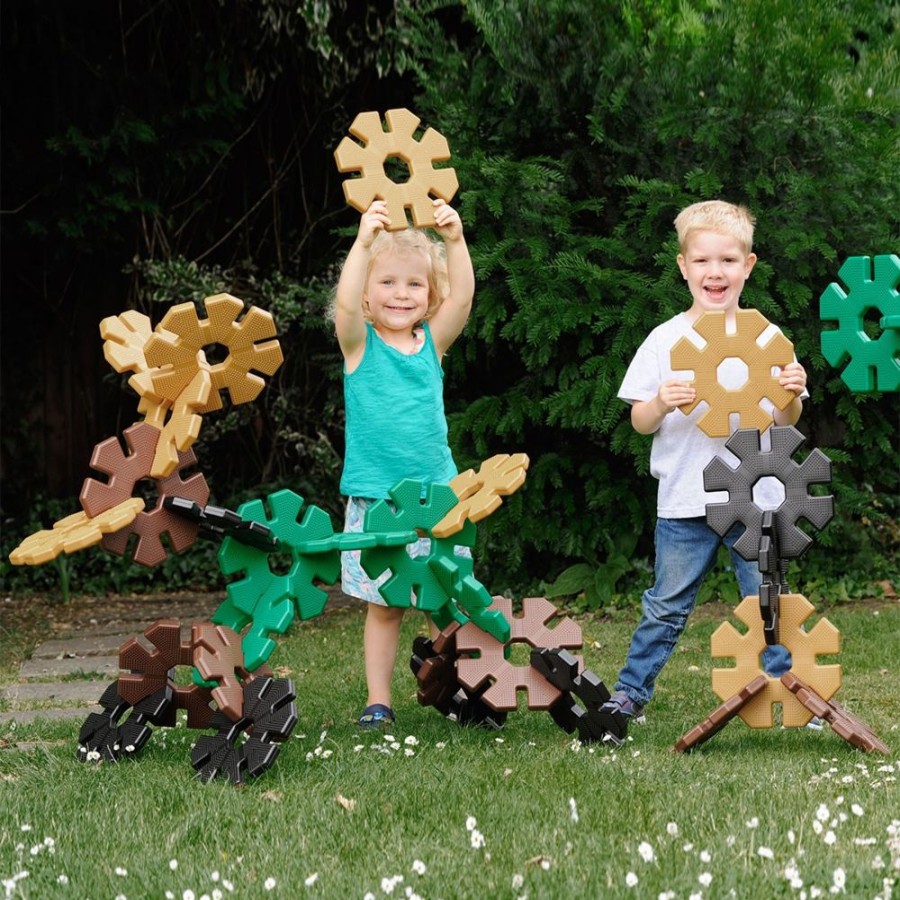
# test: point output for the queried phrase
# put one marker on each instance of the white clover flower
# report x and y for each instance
(476, 839)
(389, 739)
(672, 829)
(63, 878)
(214, 875)
(631, 879)
(856, 809)
(765, 852)
(822, 813)
(830, 838)
(705, 878)
(688, 847)
(471, 822)
(187, 894)
(408, 751)
(645, 851)
(753, 823)
(705, 856)
(217, 894)
(817, 826)
(311, 879)
(839, 881)
(121, 871)
(418, 867)
(411, 740)
(791, 836)
(269, 883)
(517, 881)
(395, 745)
(173, 865)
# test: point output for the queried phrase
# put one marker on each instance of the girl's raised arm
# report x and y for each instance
(450, 319)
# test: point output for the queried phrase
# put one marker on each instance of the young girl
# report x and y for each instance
(401, 301)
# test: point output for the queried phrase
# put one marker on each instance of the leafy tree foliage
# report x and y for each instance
(579, 130)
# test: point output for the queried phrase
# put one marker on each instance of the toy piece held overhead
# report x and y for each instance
(873, 363)
(398, 141)
(743, 344)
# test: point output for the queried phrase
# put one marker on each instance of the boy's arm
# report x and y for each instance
(451, 317)
(349, 323)
(648, 415)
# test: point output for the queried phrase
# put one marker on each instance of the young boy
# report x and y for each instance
(715, 239)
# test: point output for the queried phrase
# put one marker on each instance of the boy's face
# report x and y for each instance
(715, 267)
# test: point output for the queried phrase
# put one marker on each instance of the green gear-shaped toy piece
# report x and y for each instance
(466, 591)
(874, 364)
(413, 576)
(266, 600)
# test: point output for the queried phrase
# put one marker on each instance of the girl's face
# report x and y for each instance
(715, 267)
(396, 294)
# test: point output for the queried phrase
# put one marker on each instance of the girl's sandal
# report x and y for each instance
(376, 716)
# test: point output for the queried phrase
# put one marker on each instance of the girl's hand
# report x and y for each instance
(373, 220)
(793, 378)
(447, 222)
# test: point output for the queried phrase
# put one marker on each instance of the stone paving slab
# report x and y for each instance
(77, 647)
(33, 669)
(26, 716)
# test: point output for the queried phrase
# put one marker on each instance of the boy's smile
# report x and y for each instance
(715, 267)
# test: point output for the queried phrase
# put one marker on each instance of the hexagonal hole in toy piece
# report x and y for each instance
(768, 492)
(396, 167)
(871, 322)
(732, 373)
(146, 489)
(281, 562)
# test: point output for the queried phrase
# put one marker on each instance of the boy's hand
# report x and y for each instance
(373, 220)
(793, 378)
(673, 394)
(447, 222)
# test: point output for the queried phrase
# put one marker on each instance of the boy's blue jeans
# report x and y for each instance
(686, 550)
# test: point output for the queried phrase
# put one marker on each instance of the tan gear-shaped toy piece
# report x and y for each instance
(804, 647)
(182, 427)
(248, 342)
(742, 344)
(75, 532)
(397, 141)
(124, 338)
(481, 492)
(531, 628)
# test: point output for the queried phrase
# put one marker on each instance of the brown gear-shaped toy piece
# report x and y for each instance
(75, 532)
(742, 344)
(218, 657)
(804, 647)
(481, 492)
(248, 342)
(531, 628)
(151, 669)
(150, 525)
(398, 141)
(124, 469)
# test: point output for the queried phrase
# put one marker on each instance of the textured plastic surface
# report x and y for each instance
(754, 464)
(397, 141)
(873, 363)
(741, 344)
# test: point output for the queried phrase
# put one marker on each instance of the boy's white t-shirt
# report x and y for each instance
(681, 450)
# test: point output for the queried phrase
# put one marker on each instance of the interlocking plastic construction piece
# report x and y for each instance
(265, 600)
(397, 141)
(75, 532)
(434, 665)
(467, 598)
(218, 657)
(248, 341)
(150, 525)
(110, 737)
(150, 664)
(742, 344)
(804, 647)
(777, 463)
(217, 523)
(581, 706)
(721, 716)
(413, 513)
(269, 717)
(873, 363)
(481, 493)
(492, 664)
(849, 727)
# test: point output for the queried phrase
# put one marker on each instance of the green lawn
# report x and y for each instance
(436, 811)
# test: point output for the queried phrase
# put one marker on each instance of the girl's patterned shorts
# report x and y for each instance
(354, 581)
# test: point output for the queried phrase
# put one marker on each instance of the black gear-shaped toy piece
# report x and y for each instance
(756, 464)
(269, 717)
(588, 718)
(433, 663)
(110, 738)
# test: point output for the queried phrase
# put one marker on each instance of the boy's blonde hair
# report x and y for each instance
(411, 241)
(719, 216)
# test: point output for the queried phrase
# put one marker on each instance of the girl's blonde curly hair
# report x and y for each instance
(404, 243)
